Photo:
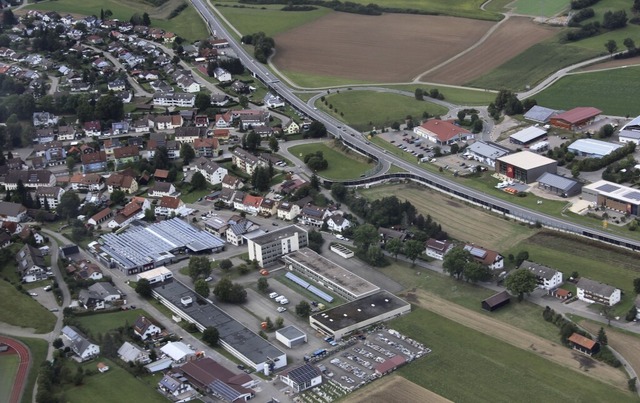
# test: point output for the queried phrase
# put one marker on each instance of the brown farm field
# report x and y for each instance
(387, 48)
(511, 38)
(461, 221)
(394, 388)
(613, 64)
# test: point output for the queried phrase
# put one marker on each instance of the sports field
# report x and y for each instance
(459, 220)
(8, 369)
(364, 110)
(615, 92)
(467, 365)
(32, 314)
(101, 323)
(375, 48)
(341, 164)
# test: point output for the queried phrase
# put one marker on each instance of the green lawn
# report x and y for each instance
(546, 8)
(607, 264)
(455, 95)
(113, 386)
(342, 165)
(267, 18)
(533, 65)
(364, 110)
(615, 92)
(38, 350)
(193, 197)
(187, 24)
(308, 80)
(468, 366)
(395, 169)
(31, 313)
(8, 368)
(103, 322)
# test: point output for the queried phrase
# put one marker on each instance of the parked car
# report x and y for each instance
(273, 295)
(48, 288)
(208, 279)
(281, 309)
(33, 294)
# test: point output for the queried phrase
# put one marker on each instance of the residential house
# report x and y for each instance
(224, 120)
(66, 133)
(118, 181)
(53, 153)
(44, 119)
(5, 240)
(45, 135)
(312, 215)
(118, 128)
(133, 210)
(100, 217)
(273, 101)
(173, 149)
(110, 145)
(437, 249)
(548, 278)
(86, 270)
(216, 226)
(190, 134)
(49, 196)
(268, 207)
(145, 328)
(125, 155)
(489, 258)
(169, 205)
(176, 386)
(165, 122)
(201, 121)
(12, 212)
(93, 162)
(206, 147)
(93, 128)
(221, 134)
(246, 161)
(211, 171)
(87, 183)
(240, 88)
(31, 265)
(594, 292)
(161, 189)
(250, 118)
(219, 100)
(79, 343)
(130, 353)
(442, 132)
(251, 204)
(291, 128)
(288, 211)
(182, 100)
(31, 179)
(117, 85)
(337, 222)
(387, 234)
(188, 84)
(98, 295)
(231, 182)
(222, 75)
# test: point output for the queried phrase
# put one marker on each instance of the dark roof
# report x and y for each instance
(557, 181)
(280, 233)
(539, 270)
(497, 299)
(10, 209)
(303, 374)
(595, 287)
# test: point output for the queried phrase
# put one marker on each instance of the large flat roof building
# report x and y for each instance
(528, 135)
(592, 148)
(355, 315)
(611, 195)
(525, 166)
(575, 118)
(270, 247)
(559, 185)
(331, 275)
(241, 342)
(630, 132)
(144, 247)
(486, 152)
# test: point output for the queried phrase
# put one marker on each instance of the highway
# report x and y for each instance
(354, 139)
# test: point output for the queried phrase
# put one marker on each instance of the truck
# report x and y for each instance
(319, 352)
(280, 298)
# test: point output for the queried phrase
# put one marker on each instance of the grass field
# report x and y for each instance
(38, 350)
(341, 165)
(364, 110)
(612, 91)
(519, 72)
(102, 323)
(455, 95)
(113, 386)
(187, 24)
(32, 314)
(596, 261)
(536, 8)
(459, 220)
(489, 369)
(8, 369)
(308, 80)
(267, 18)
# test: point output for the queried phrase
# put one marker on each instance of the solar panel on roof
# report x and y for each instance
(320, 293)
(225, 391)
(303, 374)
(608, 188)
(477, 252)
(297, 280)
(632, 195)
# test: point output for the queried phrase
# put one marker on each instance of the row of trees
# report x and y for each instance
(263, 45)
(461, 265)
(611, 20)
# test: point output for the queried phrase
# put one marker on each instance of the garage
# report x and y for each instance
(291, 336)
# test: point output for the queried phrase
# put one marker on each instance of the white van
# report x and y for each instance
(273, 295)
(280, 298)
(284, 301)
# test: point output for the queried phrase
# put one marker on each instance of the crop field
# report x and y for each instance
(394, 388)
(491, 369)
(510, 39)
(341, 164)
(374, 48)
(533, 65)
(612, 63)
(101, 323)
(459, 220)
(536, 8)
(613, 91)
(32, 314)
(364, 110)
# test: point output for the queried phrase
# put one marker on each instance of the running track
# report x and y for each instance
(23, 367)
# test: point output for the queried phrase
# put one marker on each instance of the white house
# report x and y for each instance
(273, 101)
(145, 328)
(131, 353)
(337, 222)
(79, 344)
(437, 249)
(288, 211)
(548, 278)
(489, 258)
(177, 351)
(212, 171)
(594, 292)
(222, 75)
(169, 205)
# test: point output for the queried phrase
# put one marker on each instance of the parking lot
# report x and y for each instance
(410, 143)
(45, 298)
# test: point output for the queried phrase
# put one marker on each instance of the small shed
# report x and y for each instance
(291, 336)
(583, 344)
(496, 301)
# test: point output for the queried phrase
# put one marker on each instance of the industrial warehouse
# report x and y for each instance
(613, 196)
(525, 166)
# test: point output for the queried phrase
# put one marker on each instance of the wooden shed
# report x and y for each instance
(496, 301)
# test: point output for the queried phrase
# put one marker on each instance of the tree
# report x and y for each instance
(315, 182)
(237, 294)
(303, 309)
(279, 322)
(150, 215)
(455, 261)
(611, 46)
(260, 179)
(273, 144)
(630, 45)
(602, 337)
(198, 182)
(69, 205)
(57, 343)
(413, 249)
(475, 271)
(395, 125)
(225, 264)
(109, 107)
(339, 191)
(187, 153)
(143, 288)
(71, 163)
(222, 290)
(202, 102)
(375, 256)
(636, 285)
(394, 247)
(263, 284)
(461, 116)
(199, 267)
(315, 241)
(211, 336)
(252, 141)
(317, 130)
(521, 281)
(146, 21)
(364, 235)
(117, 196)
(202, 288)
(419, 94)
(521, 257)
(243, 101)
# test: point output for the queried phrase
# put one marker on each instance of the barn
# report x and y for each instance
(584, 344)
(496, 301)
(525, 166)
(575, 118)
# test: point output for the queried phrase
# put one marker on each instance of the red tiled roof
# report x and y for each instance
(254, 201)
(579, 114)
(443, 129)
(169, 202)
(100, 215)
(161, 173)
(582, 341)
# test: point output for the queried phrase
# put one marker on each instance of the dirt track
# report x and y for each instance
(386, 48)
(510, 39)
(23, 367)
(520, 338)
(394, 388)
